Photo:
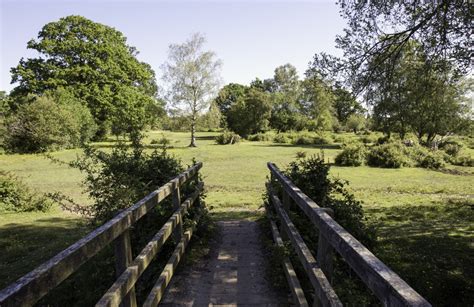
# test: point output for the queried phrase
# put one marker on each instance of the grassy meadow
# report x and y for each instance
(424, 218)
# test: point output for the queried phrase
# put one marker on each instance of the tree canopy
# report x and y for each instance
(442, 28)
(94, 62)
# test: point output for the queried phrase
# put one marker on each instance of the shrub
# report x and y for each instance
(281, 138)
(45, 125)
(351, 155)
(322, 140)
(389, 155)
(368, 139)
(260, 137)
(165, 142)
(311, 175)
(432, 160)
(303, 140)
(300, 154)
(451, 147)
(15, 196)
(227, 137)
(464, 160)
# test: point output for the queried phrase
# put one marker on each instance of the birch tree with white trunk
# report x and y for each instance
(192, 77)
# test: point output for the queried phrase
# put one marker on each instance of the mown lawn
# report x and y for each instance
(424, 218)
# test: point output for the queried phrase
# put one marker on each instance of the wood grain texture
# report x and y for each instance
(33, 286)
(129, 277)
(390, 289)
(324, 291)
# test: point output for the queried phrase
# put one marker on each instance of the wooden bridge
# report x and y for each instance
(387, 286)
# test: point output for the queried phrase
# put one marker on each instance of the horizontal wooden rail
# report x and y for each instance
(390, 289)
(129, 277)
(323, 288)
(295, 286)
(33, 286)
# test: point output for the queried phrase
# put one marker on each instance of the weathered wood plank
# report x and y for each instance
(325, 252)
(385, 284)
(128, 278)
(176, 204)
(295, 286)
(123, 257)
(156, 294)
(321, 285)
(31, 287)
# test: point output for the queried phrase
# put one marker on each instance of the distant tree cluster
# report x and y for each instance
(286, 103)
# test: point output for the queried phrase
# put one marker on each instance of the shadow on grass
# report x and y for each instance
(430, 247)
(325, 146)
(206, 138)
(25, 246)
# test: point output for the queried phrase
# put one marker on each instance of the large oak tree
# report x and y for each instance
(95, 63)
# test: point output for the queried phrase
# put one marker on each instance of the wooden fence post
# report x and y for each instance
(123, 257)
(325, 251)
(178, 231)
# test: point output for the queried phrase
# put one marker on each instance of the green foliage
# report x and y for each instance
(48, 123)
(318, 103)
(388, 155)
(356, 122)
(464, 160)
(345, 104)
(94, 63)
(351, 155)
(251, 114)
(311, 175)
(193, 77)
(260, 137)
(227, 137)
(281, 138)
(432, 160)
(116, 180)
(15, 196)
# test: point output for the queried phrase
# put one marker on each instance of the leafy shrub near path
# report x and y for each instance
(114, 181)
(311, 175)
(351, 155)
(15, 196)
(227, 137)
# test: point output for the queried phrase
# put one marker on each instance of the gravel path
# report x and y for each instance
(234, 275)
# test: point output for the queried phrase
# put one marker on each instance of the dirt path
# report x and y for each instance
(233, 276)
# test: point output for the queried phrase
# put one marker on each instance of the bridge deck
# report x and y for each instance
(233, 275)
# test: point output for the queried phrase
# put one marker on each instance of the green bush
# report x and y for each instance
(260, 137)
(281, 138)
(303, 140)
(15, 196)
(227, 137)
(432, 160)
(165, 142)
(452, 147)
(322, 140)
(388, 155)
(44, 125)
(351, 155)
(311, 175)
(368, 139)
(464, 160)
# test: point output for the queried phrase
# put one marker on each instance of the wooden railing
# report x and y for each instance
(389, 288)
(34, 285)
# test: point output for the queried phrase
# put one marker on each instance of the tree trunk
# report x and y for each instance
(193, 131)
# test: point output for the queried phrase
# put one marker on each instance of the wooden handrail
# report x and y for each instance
(389, 288)
(33, 286)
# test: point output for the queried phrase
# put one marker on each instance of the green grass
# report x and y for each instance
(423, 217)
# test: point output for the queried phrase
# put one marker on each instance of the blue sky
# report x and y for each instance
(250, 37)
